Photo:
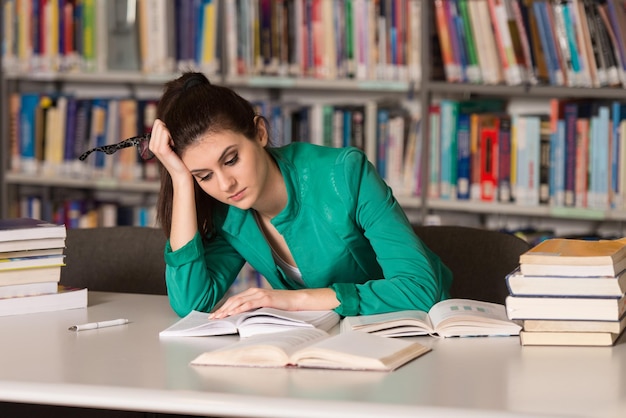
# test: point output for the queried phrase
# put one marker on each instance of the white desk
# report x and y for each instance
(129, 368)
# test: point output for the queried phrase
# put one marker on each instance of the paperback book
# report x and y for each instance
(449, 318)
(246, 324)
(568, 338)
(18, 263)
(567, 308)
(64, 298)
(28, 228)
(592, 286)
(549, 325)
(571, 257)
(315, 348)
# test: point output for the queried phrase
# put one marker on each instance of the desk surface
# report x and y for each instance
(128, 367)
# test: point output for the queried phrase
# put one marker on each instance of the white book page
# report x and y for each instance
(197, 324)
(387, 323)
(470, 313)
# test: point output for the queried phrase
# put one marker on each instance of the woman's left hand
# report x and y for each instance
(288, 300)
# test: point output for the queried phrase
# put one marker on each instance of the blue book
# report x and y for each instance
(381, 141)
(463, 157)
(547, 42)
(618, 113)
(29, 104)
(449, 116)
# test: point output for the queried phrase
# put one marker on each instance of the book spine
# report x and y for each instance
(463, 157)
(570, 115)
(504, 160)
(489, 162)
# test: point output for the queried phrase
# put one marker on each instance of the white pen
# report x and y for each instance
(101, 324)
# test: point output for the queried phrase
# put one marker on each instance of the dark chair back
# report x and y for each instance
(479, 259)
(117, 259)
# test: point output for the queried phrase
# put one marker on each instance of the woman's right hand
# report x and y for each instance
(161, 145)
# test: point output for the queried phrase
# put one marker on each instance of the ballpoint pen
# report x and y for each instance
(101, 324)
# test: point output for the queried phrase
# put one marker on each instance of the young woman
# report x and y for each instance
(318, 223)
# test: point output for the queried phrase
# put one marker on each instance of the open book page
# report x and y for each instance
(392, 324)
(263, 350)
(259, 321)
(358, 351)
(465, 317)
(314, 348)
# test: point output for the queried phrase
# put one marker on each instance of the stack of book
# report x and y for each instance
(570, 292)
(31, 258)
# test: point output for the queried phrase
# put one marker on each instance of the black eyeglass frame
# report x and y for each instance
(141, 142)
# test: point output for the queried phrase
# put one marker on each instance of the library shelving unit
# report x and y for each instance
(428, 90)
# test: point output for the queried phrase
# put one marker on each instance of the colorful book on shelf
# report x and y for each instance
(64, 298)
(567, 308)
(449, 318)
(591, 286)
(572, 338)
(314, 348)
(16, 229)
(246, 324)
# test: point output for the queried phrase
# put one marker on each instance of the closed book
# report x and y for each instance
(19, 263)
(31, 244)
(64, 298)
(30, 275)
(570, 308)
(29, 228)
(576, 252)
(568, 338)
(550, 325)
(591, 286)
(27, 289)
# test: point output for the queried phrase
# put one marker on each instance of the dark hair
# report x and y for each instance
(191, 107)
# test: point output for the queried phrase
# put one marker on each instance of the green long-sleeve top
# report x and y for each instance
(344, 228)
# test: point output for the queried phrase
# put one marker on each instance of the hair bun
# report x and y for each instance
(194, 80)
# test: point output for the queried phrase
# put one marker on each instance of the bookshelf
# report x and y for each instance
(276, 88)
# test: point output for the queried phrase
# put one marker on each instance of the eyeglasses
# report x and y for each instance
(141, 142)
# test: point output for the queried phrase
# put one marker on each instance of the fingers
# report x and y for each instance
(245, 301)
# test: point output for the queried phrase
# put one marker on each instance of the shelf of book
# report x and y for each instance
(519, 210)
(421, 78)
(139, 186)
(526, 90)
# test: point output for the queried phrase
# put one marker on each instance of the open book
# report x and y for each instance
(259, 321)
(448, 318)
(310, 347)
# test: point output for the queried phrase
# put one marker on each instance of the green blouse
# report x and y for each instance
(344, 228)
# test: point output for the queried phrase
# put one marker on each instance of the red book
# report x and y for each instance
(488, 134)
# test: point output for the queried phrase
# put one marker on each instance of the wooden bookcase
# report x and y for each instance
(428, 90)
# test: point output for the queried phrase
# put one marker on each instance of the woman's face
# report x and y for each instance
(230, 167)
